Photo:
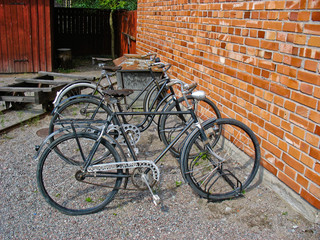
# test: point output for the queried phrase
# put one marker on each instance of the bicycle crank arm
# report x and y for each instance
(156, 199)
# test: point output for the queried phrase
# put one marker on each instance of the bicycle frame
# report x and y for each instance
(115, 118)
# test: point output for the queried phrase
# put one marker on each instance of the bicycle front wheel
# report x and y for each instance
(79, 109)
(224, 166)
(63, 183)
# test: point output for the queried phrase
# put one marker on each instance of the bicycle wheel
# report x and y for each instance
(171, 125)
(77, 88)
(63, 183)
(79, 109)
(223, 167)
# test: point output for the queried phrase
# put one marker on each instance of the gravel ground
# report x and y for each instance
(261, 214)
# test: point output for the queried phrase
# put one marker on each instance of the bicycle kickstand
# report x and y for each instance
(155, 198)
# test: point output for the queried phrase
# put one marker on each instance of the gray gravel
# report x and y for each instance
(261, 214)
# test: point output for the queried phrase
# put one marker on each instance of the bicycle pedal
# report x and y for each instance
(156, 199)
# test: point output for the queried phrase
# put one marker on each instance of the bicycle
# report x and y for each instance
(157, 98)
(219, 160)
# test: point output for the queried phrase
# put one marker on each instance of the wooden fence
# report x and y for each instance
(87, 31)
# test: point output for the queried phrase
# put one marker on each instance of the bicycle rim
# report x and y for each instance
(62, 183)
(234, 164)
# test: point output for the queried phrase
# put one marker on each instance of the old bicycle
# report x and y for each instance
(219, 160)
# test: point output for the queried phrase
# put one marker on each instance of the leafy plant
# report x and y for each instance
(178, 183)
(88, 199)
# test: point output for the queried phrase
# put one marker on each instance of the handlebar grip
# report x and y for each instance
(171, 84)
(190, 86)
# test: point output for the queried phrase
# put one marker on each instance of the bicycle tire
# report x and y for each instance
(77, 88)
(61, 183)
(225, 178)
(171, 125)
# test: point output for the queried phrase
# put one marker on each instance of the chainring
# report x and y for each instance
(136, 178)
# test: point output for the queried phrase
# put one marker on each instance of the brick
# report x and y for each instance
(298, 132)
(274, 129)
(289, 105)
(307, 160)
(302, 181)
(273, 25)
(253, 24)
(282, 91)
(281, 36)
(303, 16)
(317, 167)
(275, 5)
(252, 42)
(260, 83)
(315, 190)
(309, 77)
(306, 88)
(314, 177)
(314, 41)
(300, 39)
(289, 71)
(292, 27)
(269, 45)
(315, 153)
(257, 5)
(293, 163)
(314, 4)
(290, 172)
(266, 64)
(288, 48)
(317, 130)
(311, 65)
(302, 111)
(292, 140)
(312, 139)
(277, 57)
(310, 198)
(271, 148)
(315, 16)
(289, 82)
(288, 181)
(269, 167)
(283, 16)
(312, 29)
(298, 120)
(315, 116)
(296, 62)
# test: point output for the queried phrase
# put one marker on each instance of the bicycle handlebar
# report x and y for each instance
(185, 88)
(164, 66)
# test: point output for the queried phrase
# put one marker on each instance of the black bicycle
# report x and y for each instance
(80, 172)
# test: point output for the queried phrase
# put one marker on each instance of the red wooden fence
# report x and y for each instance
(25, 36)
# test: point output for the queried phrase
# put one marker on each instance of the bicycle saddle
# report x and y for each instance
(118, 93)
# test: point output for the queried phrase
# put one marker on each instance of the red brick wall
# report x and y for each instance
(259, 61)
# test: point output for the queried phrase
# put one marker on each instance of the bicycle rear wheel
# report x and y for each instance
(171, 125)
(63, 183)
(225, 166)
